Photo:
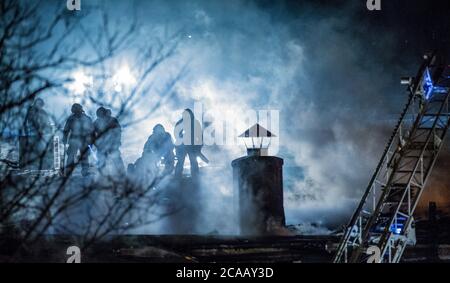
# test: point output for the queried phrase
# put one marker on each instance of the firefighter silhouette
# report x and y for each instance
(108, 134)
(158, 148)
(189, 141)
(160, 145)
(79, 135)
(36, 143)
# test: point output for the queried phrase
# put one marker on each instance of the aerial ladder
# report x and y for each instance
(383, 223)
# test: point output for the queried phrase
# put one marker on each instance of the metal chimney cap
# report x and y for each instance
(256, 131)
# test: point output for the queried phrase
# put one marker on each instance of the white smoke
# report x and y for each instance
(319, 71)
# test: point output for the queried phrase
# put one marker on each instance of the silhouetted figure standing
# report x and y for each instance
(116, 132)
(78, 133)
(108, 134)
(101, 137)
(189, 141)
(160, 146)
(37, 131)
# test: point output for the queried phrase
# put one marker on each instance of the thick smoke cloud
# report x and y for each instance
(314, 69)
(334, 83)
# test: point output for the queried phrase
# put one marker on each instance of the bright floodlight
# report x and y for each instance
(80, 82)
(123, 78)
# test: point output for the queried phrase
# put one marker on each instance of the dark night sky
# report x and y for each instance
(416, 25)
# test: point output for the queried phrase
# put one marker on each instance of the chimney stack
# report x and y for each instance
(258, 179)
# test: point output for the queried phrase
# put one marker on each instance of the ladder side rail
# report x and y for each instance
(343, 245)
(385, 193)
(387, 233)
(428, 173)
(381, 201)
(357, 214)
(402, 245)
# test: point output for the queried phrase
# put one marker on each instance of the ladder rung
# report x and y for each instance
(435, 115)
(411, 156)
(406, 171)
(395, 196)
(420, 145)
(402, 185)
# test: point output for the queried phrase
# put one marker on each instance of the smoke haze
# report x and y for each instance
(331, 71)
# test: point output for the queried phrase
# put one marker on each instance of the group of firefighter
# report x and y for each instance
(81, 135)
